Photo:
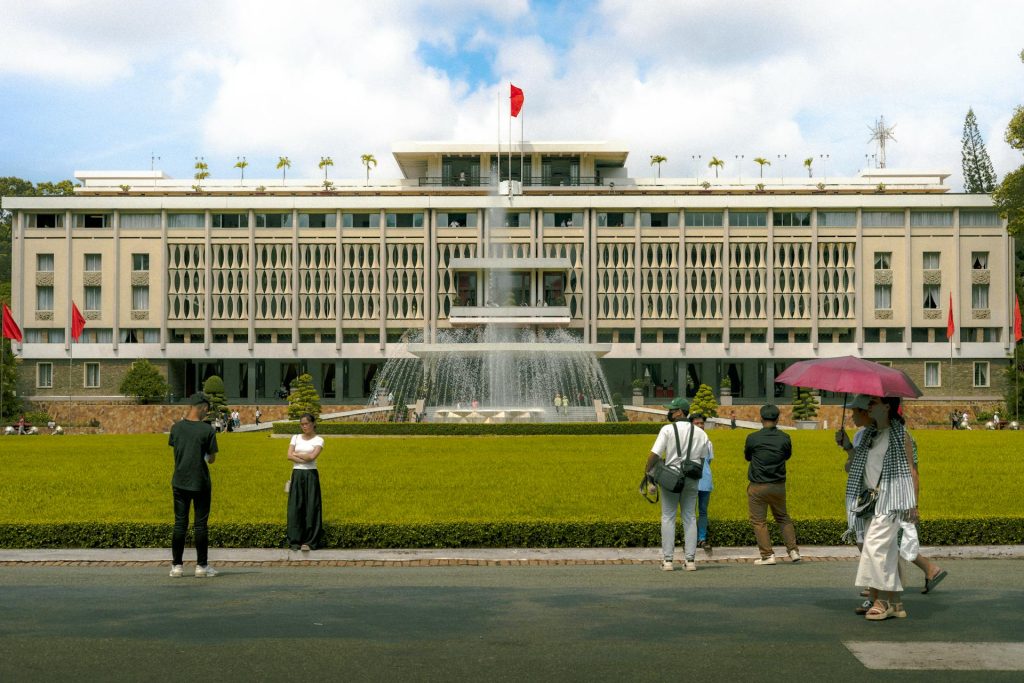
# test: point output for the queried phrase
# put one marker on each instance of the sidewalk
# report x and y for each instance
(444, 557)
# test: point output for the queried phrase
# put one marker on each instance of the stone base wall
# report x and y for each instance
(919, 414)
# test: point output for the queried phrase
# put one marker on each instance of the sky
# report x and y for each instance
(108, 85)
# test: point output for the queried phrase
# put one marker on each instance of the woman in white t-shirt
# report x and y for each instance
(305, 510)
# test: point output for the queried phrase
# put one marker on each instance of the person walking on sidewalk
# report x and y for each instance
(195, 448)
(674, 450)
(305, 510)
(767, 451)
(704, 487)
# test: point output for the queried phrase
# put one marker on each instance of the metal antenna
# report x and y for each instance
(879, 134)
(153, 158)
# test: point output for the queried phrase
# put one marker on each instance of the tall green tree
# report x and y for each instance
(325, 163)
(284, 163)
(658, 160)
(368, 160)
(144, 383)
(979, 175)
(762, 162)
(303, 398)
(809, 165)
(716, 164)
(1009, 196)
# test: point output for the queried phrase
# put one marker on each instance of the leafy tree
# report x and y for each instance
(202, 169)
(762, 162)
(240, 165)
(368, 160)
(144, 382)
(809, 165)
(324, 163)
(284, 163)
(11, 405)
(716, 164)
(704, 402)
(979, 175)
(303, 398)
(213, 387)
(804, 405)
(1009, 196)
(658, 159)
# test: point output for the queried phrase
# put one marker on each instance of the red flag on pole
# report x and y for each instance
(1018, 334)
(950, 327)
(11, 329)
(77, 321)
(516, 95)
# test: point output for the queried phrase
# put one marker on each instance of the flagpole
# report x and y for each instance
(498, 166)
(510, 139)
(71, 358)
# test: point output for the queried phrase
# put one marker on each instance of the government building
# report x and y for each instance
(679, 281)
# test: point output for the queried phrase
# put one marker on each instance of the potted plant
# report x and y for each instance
(638, 391)
(805, 409)
(820, 187)
(706, 185)
(880, 187)
(759, 187)
(725, 391)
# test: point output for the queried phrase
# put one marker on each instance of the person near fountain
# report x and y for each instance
(558, 402)
(704, 487)
(305, 509)
(666, 446)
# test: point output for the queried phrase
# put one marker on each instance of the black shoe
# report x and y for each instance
(701, 544)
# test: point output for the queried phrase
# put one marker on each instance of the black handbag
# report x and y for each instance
(669, 479)
(864, 506)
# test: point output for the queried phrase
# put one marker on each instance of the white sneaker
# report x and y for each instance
(765, 561)
(205, 571)
(794, 555)
(176, 571)
(691, 566)
(667, 566)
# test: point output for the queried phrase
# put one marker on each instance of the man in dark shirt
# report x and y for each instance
(195, 446)
(767, 451)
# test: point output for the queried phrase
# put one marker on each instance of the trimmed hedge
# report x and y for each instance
(570, 534)
(468, 429)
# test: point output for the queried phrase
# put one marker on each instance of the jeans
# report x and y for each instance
(687, 501)
(759, 498)
(703, 498)
(200, 500)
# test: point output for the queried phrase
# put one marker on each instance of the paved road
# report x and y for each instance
(610, 622)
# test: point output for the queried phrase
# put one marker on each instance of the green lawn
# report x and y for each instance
(477, 479)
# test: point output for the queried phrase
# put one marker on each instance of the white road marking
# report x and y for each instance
(942, 656)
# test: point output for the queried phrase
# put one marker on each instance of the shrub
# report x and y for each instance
(144, 382)
(213, 387)
(303, 398)
(804, 405)
(619, 410)
(704, 402)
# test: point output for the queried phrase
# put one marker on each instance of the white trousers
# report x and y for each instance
(879, 559)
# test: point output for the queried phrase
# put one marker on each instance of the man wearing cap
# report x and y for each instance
(195, 447)
(767, 451)
(673, 451)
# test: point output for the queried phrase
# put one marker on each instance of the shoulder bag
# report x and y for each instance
(666, 477)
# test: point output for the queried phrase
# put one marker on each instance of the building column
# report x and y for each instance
(207, 282)
(814, 279)
(864, 267)
(296, 285)
(163, 283)
(726, 282)
(116, 322)
(908, 264)
(682, 282)
(638, 300)
(339, 287)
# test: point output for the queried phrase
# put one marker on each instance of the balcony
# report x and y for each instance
(510, 315)
(539, 263)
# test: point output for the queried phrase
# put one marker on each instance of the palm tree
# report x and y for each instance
(324, 163)
(808, 163)
(716, 164)
(241, 164)
(762, 162)
(202, 169)
(368, 161)
(284, 163)
(659, 160)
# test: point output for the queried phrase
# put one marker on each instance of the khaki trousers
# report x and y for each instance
(760, 497)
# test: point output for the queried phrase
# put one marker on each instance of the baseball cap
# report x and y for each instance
(198, 398)
(769, 412)
(679, 403)
(859, 402)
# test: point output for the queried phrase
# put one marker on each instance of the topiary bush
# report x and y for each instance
(303, 398)
(704, 402)
(213, 387)
(804, 405)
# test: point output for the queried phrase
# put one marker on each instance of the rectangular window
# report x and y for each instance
(883, 296)
(140, 298)
(274, 220)
(931, 260)
(703, 219)
(563, 219)
(614, 219)
(872, 335)
(517, 219)
(93, 263)
(979, 296)
(932, 374)
(979, 219)
(140, 262)
(931, 297)
(883, 260)
(981, 373)
(360, 220)
(882, 219)
(837, 219)
(554, 289)
(138, 221)
(659, 219)
(186, 220)
(920, 334)
(93, 298)
(931, 219)
(791, 218)
(44, 298)
(465, 288)
(44, 375)
(92, 375)
(406, 220)
(456, 219)
(230, 220)
(44, 263)
(748, 219)
(318, 220)
(979, 260)
(92, 220)
(46, 220)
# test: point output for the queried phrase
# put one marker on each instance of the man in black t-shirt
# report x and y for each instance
(767, 451)
(195, 447)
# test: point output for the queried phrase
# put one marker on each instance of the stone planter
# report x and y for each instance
(806, 424)
(638, 397)
(725, 396)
